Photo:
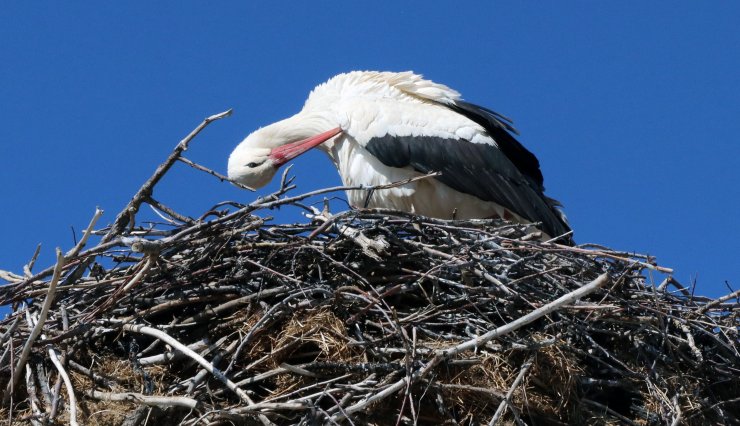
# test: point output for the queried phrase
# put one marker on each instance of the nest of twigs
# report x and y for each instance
(363, 317)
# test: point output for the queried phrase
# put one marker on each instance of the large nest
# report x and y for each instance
(363, 317)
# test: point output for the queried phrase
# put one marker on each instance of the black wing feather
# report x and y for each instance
(498, 127)
(481, 170)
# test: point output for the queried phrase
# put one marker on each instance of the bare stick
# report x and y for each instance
(197, 358)
(719, 301)
(677, 411)
(147, 189)
(491, 392)
(81, 244)
(690, 338)
(606, 409)
(144, 269)
(507, 400)
(116, 295)
(72, 403)
(26, 351)
(153, 401)
(27, 268)
(371, 247)
(233, 304)
(9, 332)
(271, 406)
(613, 256)
(161, 335)
(32, 398)
(267, 204)
(20, 282)
(157, 206)
(216, 174)
(58, 385)
(201, 375)
(11, 277)
(96, 378)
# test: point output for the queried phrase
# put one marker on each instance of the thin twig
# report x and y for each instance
(507, 400)
(221, 177)
(36, 331)
(86, 235)
(29, 266)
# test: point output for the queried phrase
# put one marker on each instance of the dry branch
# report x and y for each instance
(36, 329)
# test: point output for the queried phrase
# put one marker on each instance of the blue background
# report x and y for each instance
(632, 107)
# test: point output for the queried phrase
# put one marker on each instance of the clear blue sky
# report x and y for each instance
(632, 107)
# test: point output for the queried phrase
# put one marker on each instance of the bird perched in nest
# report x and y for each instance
(384, 127)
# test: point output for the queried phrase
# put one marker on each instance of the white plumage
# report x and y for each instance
(383, 127)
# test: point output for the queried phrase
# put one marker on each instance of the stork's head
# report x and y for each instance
(255, 161)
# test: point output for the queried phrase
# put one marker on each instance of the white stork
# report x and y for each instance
(384, 127)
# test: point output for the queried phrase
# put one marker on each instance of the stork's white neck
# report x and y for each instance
(303, 125)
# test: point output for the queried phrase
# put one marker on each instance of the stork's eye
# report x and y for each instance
(252, 164)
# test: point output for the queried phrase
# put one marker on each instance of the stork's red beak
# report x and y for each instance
(287, 152)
